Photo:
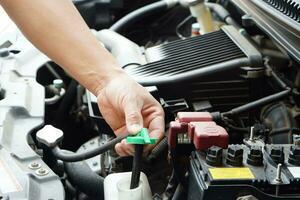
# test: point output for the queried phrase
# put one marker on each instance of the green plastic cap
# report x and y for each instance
(141, 137)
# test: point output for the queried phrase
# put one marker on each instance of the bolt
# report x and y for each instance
(242, 31)
(34, 165)
(58, 83)
(42, 172)
(95, 164)
(251, 137)
(278, 173)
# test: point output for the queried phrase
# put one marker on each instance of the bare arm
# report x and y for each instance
(57, 29)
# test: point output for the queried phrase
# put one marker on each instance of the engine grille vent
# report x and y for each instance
(195, 57)
(290, 8)
(185, 55)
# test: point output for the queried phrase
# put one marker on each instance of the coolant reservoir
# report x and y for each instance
(117, 187)
(202, 13)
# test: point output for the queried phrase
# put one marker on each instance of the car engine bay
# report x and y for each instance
(226, 73)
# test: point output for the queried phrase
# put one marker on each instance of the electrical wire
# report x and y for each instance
(75, 157)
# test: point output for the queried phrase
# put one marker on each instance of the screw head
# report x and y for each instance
(41, 172)
(34, 165)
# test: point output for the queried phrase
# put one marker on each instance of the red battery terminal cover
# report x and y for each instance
(207, 134)
(201, 129)
(187, 117)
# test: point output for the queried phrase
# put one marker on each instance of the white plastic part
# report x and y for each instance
(49, 135)
(124, 191)
(203, 15)
(117, 187)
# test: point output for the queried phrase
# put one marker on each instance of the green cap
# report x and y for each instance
(141, 137)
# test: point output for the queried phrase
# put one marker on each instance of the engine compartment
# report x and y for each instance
(230, 96)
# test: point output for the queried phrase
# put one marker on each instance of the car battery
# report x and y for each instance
(198, 129)
(255, 172)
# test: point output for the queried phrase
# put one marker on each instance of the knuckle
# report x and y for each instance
(133, 116)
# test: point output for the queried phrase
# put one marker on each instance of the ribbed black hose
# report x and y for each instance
(84, 179)
(75, 157)
(138, 14)
(136, 166)
(158, 149)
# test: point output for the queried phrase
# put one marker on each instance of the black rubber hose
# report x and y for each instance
(66, 104)
(136, 166)
(266, 100)
(258, 103)
(158, 149)
(82, 177)
(75, 157)
(219, 10)
(136, 15)
(223, 14)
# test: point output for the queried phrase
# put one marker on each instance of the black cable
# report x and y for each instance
(138, 14)
(275, 77)
(265, 100)
(177, 169)
(258, 103)
(75, 157)
(136, 166)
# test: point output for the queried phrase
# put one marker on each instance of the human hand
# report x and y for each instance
(128, 107)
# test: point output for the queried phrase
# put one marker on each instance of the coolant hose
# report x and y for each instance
(75, 157)
(223, 14)
(115, 43)
(87, 181)
(145, 11)
(66, 104)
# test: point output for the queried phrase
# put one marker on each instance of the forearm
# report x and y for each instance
(58, 30)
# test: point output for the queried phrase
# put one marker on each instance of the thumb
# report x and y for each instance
(133, 117)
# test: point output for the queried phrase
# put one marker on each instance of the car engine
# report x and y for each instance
(226, 72)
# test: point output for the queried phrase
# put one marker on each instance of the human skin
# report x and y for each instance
(56, 28)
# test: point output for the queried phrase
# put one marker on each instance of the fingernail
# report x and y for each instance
(135, 128)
